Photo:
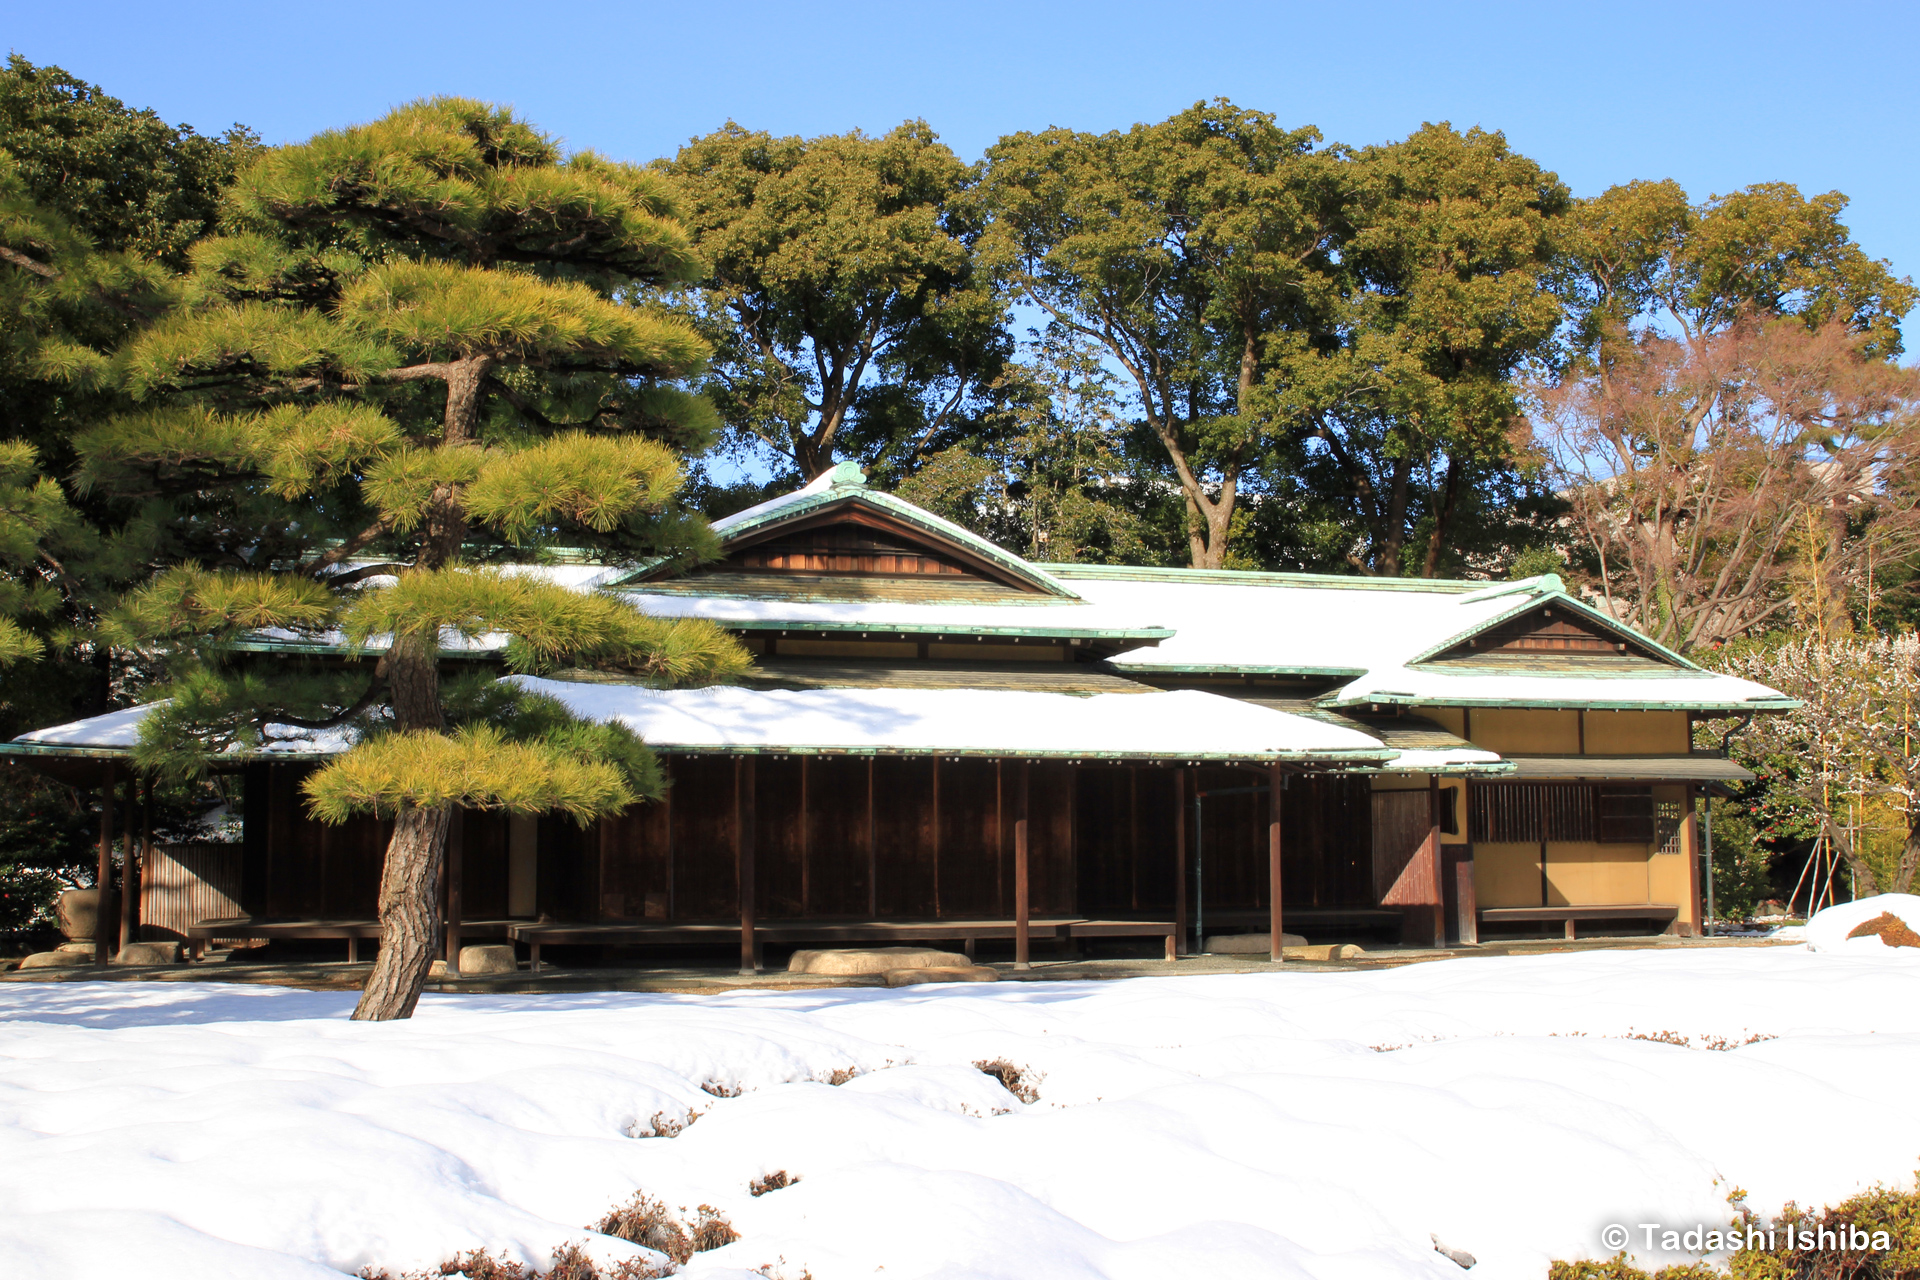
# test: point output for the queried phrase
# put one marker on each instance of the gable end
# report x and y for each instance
(1552, 631)
(855, 542)
(843, 548)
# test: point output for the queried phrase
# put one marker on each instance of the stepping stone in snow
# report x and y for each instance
(856, 961)
(488, 960)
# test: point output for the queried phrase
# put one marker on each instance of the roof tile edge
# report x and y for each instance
(1260, 577)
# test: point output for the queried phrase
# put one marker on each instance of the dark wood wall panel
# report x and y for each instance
(633, 851)
(294, 867)
(1326, 826)
(780, 873)
(1159, 811)
(1231, 846)
(295, 879)
(1050, 824)
(1105, 839)
(1102, 843)
(1326, 837)
(837, 870)
(567, 885)
(903, 836)
(705, 884)
(483, 866)
(1402, 823)
(969, 839)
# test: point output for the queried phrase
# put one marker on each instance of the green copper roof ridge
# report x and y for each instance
(885, 628)
(1399, 698)
(1271, 577)
(1140, 670)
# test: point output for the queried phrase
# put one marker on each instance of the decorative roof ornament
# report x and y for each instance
(1546, 584)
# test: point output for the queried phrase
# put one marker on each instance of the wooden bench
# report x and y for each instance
(968, 932)
(353, 930)
(1660, 913)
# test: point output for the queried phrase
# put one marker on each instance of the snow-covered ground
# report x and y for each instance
(1325, 1125)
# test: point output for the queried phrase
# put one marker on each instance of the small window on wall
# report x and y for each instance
(1626, 815)
(1449, 811)
(1668, 815)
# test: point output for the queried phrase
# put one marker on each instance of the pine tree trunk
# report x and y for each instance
(409, 901)
(409, 915)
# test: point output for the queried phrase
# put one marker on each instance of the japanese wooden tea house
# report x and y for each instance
(943, 741)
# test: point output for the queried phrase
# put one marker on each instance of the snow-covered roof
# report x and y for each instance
(114, 730)
(119, 731)
(1379, 633)
(1296, 623)
(1159, 726)
(1048, 617)
(1459, 685)
(1151, 725)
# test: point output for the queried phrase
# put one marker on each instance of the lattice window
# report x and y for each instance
(1529, 813)
(1668, 817)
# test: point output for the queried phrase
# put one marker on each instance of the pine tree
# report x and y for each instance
(423, 351)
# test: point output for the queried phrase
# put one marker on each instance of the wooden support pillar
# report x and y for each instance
(666, 824)
(129, 863)
(806, 871)
(999, 836)
(456, 883)
(1434, 861)
(146, 852)
(743, 858)
(1275, 777)
(1467, 894)
(1180, 859)
(1690, 849)
(1021, 884)
(873, 851)
(1133, 829)
(103, 875)
(934, 840)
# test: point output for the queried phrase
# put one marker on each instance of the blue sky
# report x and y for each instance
(1714, 95)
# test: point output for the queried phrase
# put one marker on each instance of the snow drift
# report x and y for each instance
(1286, 1125)
(1828, 929)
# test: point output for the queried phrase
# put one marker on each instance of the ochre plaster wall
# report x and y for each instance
(1638, 733)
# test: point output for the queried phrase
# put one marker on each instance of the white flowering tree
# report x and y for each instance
(1851, 744)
